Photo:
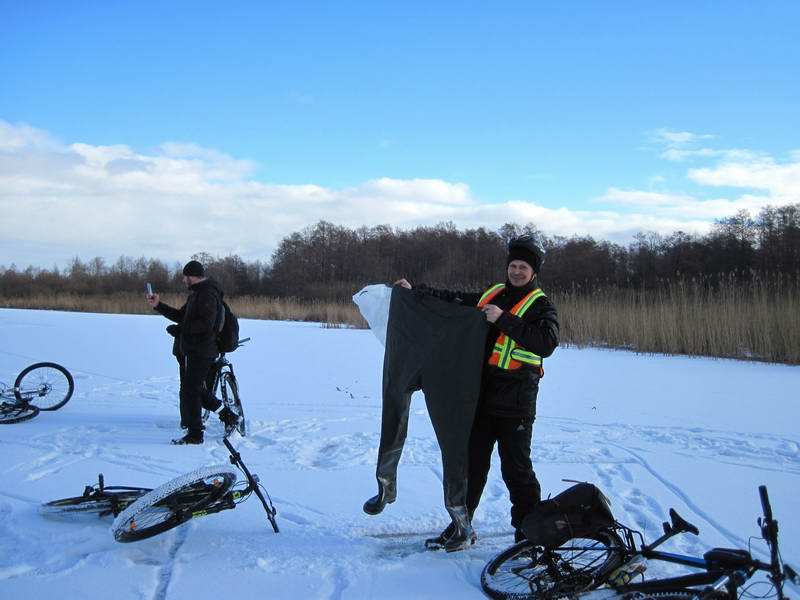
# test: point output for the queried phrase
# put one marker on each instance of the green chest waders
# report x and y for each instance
(437, 347)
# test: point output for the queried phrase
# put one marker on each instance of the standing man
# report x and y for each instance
(524, 330)
(196, 345)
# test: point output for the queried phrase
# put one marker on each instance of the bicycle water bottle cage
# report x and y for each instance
(679, 524)
(728, 558)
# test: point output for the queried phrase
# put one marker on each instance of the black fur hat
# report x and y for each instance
(525, 248)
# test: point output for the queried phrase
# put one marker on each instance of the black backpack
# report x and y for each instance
(227, 329)
(578, 511)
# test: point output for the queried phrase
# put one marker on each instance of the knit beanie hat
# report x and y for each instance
(194, 269)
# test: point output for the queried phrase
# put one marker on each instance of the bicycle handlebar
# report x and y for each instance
(765, 505)
(252, 480)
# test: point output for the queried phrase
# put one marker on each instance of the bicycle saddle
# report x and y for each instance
(728, 557)
(679, 524)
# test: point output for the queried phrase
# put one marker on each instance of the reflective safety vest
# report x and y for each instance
(507, 354)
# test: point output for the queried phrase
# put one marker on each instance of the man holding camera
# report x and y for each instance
(195, 347)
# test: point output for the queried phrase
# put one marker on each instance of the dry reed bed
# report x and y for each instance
(759, 320)
(249, 307)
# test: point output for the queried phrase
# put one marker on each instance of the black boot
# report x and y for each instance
(439, 541)
(193, 437)
(387, 493)
(463, 534)
(230, 420)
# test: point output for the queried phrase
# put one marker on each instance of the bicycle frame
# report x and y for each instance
(232, 497)
(715, 576)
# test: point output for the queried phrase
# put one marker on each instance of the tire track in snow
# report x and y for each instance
(168, 568)
(722, 530)
(20, 498)
(339, 582)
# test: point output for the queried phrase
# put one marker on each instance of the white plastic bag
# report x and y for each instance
(373, 302)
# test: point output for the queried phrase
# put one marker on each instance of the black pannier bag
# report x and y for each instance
(578, 511)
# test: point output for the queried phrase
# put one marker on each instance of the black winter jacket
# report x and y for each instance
(512, 393)
(197, 319)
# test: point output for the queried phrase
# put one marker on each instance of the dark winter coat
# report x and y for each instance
(197, 319)
(512, 393)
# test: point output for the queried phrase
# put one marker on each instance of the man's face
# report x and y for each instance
(189, 280)
(519, 273)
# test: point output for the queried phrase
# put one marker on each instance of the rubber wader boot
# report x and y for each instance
(438, 542)
(463, 535)
(387, 493)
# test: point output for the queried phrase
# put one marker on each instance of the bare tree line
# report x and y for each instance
(328, 262)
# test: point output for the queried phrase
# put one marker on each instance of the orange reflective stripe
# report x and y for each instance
(489, 294)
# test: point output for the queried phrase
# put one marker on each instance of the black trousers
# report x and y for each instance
(197, 381)
(437, 347)
(513, 438)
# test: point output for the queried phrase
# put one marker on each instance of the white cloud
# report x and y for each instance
(62, 200)
(302, 98)
(678, 139)
(781, 180)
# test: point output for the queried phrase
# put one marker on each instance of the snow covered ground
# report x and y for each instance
(654, 432)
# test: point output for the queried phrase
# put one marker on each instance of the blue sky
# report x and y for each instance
(155, 128)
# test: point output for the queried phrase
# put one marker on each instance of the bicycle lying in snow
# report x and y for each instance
(142, 512)
(601, 564)
(40, 386)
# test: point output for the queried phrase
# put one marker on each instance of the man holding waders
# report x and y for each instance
(195, 347)
(523, 330)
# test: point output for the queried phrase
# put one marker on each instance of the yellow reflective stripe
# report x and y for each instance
(528, 302)
(505, 356)
(525, 356)
(491, 291)
(511, 350)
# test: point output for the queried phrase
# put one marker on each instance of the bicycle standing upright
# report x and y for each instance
(226, 388)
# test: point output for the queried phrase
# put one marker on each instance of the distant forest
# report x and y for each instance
(329, 262)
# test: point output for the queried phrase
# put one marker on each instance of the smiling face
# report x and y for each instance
(519, 273)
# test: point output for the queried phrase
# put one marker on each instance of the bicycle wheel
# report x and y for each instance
(668, 595)
(526, 571)
(110, 502)
(230, 397)
(173, 503)
(47, 385)
(214, 387)
(16, 412)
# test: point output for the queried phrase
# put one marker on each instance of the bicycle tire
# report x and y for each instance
(523, 571)
(46, 385)
(110, 502)
(217, 368)
(17, 412)
(173, 503)
(230, 397)
(677, 595)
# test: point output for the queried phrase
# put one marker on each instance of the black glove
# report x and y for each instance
(422, 290)
(174, 330)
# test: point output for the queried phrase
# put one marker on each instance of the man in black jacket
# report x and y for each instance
(524, 330)
(196, 344)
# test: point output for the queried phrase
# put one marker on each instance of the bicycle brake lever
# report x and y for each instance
(791, 574)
